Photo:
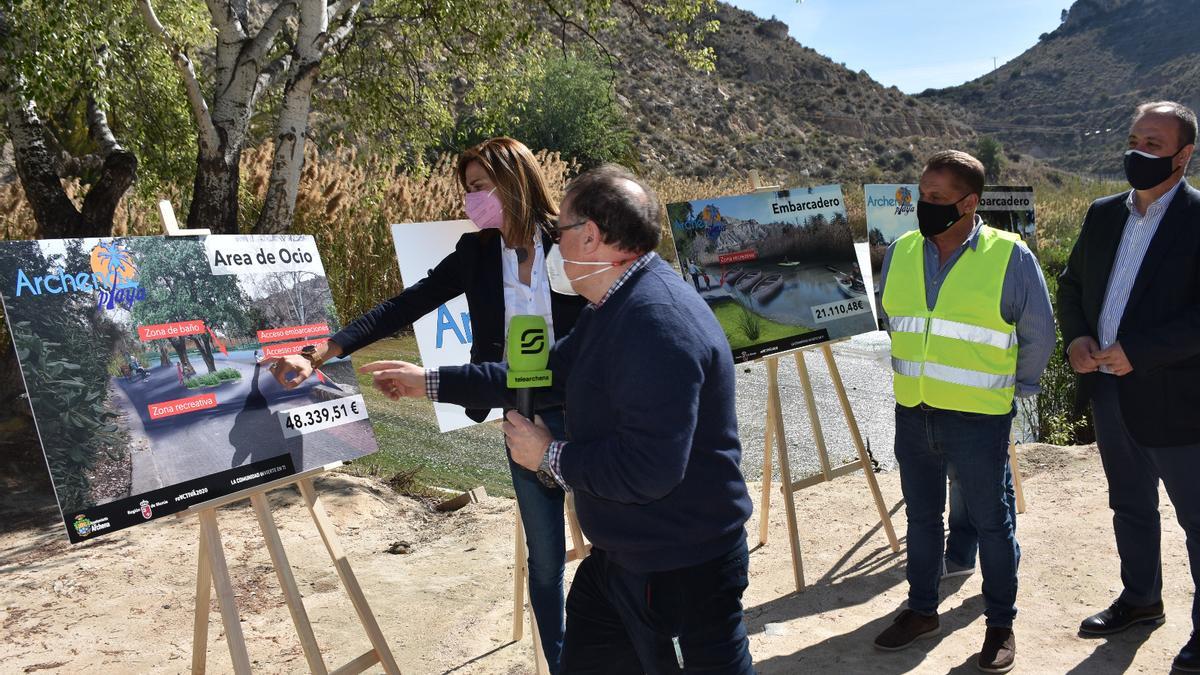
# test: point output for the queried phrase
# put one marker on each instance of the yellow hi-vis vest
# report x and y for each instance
(962, 355)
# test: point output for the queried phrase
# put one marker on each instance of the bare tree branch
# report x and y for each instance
(640, 12)
(76, 167)
(272, 75)
(37, 166)
(338, 9)
(99, 130)
(53, 145)
(209, 140)
(566, 21)
(241, 10)
(330, 41)
(116, 176)
(261, 43)
(226, 17)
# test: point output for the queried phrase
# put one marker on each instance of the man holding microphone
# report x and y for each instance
(653, 452)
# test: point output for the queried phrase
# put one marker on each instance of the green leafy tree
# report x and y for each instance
(72, 109)
(989, 151)
(181, 287)
(572, 108)
(178, 91)
(85, 95)
(379, 69)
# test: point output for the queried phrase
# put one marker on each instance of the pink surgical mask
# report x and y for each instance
(484, 209)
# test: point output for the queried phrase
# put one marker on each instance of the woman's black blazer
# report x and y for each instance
(474, 269)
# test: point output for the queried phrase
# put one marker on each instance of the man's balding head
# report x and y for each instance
(1181, 117)
(625, 210)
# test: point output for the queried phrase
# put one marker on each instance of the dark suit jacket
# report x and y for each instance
(474, 268)
(1160, 330)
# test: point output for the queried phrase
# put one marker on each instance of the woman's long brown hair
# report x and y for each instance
(519, 184)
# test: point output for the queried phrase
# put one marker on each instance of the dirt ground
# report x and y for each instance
(123, 603)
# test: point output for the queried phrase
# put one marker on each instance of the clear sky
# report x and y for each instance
(915, 44)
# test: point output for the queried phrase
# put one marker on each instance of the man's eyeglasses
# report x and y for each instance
(556, 232)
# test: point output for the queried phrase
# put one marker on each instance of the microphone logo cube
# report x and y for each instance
(528, 352)
(533, 341)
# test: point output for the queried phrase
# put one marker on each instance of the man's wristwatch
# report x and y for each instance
(543, 472)
(310, 352)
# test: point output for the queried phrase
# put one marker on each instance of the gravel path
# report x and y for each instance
(866, 372)
(864, 362)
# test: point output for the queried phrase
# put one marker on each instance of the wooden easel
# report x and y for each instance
(1016, 472)
(775, 438)
(579, 550)
(212, 570)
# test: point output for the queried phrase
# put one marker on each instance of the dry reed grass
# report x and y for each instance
(347, 203)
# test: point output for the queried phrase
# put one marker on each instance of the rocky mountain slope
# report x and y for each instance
(771, 104)
(1068, 99)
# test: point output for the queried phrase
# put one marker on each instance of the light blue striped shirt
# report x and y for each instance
(1135, 239)
(1024, 302)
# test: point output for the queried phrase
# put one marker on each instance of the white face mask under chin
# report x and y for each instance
(556, 271)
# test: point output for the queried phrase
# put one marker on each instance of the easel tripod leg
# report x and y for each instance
(520, 578)
(520, 565)
(225, 597)
(346, 574)
(764, 507)
(203, 596)
(863, 457)
(785, 471)
(577, 541)
(814, 416)
(287, 582)
(1014, 466)
(539, 656)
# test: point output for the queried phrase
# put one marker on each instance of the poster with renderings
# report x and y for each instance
(147, 364)
(892, 211)
(777, 268)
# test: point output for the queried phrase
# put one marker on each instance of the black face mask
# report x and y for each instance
(934, 219)
(1145, 171)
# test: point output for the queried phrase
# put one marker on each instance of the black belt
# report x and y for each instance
(923, 407)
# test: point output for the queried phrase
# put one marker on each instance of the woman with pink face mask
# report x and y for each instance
(502, 270)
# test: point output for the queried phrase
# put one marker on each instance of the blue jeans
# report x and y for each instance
(685, 620)
(976, 446)
(1133, 473)
(542, 517)
(963, 541)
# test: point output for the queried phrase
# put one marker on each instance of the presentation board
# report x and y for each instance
(443, 336)
(1010, 208)
(147, 363)
(777, 268)
(892, 211)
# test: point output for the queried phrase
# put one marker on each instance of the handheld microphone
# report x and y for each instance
(528, 354)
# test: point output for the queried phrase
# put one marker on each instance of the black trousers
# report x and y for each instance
(1134, 472)
(685, 620)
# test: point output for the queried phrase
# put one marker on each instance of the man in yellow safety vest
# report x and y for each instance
(972, 328)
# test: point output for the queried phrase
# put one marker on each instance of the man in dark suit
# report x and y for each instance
(1129, 308)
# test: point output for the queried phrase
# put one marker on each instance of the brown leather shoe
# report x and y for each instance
(907, 628)
(999, 651)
